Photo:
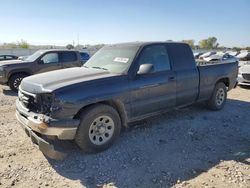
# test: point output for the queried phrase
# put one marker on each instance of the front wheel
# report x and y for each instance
(99, 128)
(15, 81)
(218, 98)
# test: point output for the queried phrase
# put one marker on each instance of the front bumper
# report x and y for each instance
(43, 145)
(61, 129)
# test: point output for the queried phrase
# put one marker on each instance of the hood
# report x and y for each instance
(50, 81)
(11, 62)
(245, 69)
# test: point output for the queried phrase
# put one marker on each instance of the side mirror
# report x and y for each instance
(40, 61)
(145, 69)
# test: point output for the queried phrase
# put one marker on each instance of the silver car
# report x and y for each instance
(244, 58)
(222, 57)
(244, 75)
(207, 54)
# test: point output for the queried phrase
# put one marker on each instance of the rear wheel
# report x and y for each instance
(99, 128)
(15, 81)
(218, 98)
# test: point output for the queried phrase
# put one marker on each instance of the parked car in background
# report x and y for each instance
(222, 57)
(207, 54)
(197, 54)
(7, 57)
(244, 75)
(84, 56)
(12, 72)
(233, 53)
(121, 83)
(23, 57)
(244, 58)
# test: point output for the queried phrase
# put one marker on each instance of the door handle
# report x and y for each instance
(171, 78)
(152, 85)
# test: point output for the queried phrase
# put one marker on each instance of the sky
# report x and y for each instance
(60, 22)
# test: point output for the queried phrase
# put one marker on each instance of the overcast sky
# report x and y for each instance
(60, 22)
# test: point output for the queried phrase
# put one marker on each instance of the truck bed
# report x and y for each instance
(210, 72)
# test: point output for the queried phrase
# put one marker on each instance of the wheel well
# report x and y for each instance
(225, 81)
(118, 106)
(15, 73)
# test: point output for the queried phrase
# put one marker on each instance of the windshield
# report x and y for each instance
(115, 59)
(34, 56)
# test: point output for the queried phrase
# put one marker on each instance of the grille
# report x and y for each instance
(246, 76)
(27, 100)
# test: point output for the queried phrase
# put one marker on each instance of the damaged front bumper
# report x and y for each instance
(33, 126)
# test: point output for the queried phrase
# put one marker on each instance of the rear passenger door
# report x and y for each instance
(154, 91)
(69, 59)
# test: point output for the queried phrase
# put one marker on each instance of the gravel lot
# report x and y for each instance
(191, 147)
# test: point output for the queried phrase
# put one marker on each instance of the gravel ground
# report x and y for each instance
(191, 147)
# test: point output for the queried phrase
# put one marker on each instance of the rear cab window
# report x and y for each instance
(181, 56)
(68, 57)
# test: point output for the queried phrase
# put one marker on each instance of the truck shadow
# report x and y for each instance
(9, 92)
(176, 146)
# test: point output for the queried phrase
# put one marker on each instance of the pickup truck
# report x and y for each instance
(121, 83)
(12, 72)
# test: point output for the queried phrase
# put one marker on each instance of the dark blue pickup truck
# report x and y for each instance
(120, 84)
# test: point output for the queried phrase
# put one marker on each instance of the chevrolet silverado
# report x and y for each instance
(121, 83)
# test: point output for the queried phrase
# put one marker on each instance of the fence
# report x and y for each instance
(27, 52)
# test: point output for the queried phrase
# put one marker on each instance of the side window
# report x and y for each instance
(157, 56)
(1, 57)
(50, 58)
(9, 57)
(68, 57)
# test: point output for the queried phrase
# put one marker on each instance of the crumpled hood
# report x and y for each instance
(50, 81)
(245, 69)
(11, 62)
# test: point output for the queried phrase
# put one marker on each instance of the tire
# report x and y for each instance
(100, 126)
(218, 98)
(15, 81)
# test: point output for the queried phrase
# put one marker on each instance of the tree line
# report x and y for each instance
(208, 43)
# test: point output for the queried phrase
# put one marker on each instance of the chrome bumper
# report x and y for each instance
(43, 145)
(33, 126)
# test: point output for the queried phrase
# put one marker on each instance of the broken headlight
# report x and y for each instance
(48, 103)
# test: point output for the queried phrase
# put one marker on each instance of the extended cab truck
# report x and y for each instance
(119, 84)
(12, 72)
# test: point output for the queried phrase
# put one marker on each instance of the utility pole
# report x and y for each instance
(77, 39)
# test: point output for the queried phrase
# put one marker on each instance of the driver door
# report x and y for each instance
(49, 62)
(155, 91)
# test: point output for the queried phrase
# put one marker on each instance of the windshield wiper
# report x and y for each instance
(99, 68)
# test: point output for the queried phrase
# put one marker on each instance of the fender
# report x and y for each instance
(24, 70)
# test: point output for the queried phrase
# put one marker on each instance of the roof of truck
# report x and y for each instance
(144, 43)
